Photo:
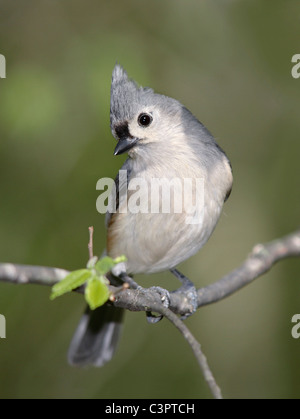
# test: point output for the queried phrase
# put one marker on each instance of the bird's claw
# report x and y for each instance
(189, 291)
(165, 299)
(191, 300)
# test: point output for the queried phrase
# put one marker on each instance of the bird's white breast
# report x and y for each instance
(154, 242)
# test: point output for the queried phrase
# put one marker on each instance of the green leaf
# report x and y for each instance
(105, 264)
(96, 292)
(120, 259)
(74, 280)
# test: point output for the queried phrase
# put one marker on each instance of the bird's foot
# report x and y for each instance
(165, 299)
(164, 294)
(190, 292)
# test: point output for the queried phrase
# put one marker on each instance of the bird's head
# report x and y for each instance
(138, 115)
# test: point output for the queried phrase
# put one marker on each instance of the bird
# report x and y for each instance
(165, 141)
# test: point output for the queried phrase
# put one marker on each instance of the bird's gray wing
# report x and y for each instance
(98, 332)
(121, 188)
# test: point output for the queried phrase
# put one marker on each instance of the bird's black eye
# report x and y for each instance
(144, 119)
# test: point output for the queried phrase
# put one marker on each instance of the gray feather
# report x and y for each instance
(121, 189)
(176, 145)
(127, 98)
(96, 337)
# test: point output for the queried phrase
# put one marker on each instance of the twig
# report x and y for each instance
(260, 261)
(90, 244)
(194, 344)
(26, 274)
(262, 258)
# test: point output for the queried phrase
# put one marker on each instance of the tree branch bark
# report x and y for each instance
(261, 259)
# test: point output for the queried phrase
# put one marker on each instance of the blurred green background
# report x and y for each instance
(229, 62)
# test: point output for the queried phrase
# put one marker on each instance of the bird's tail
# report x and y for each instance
(96, 337)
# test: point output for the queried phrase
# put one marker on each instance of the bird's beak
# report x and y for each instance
(125, 144)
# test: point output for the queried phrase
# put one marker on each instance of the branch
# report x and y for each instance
(90, 244)
(260, 261)
(26, 274)
(194, 344)
(262, 258)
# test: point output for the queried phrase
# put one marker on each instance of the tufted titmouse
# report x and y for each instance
(165, 141)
